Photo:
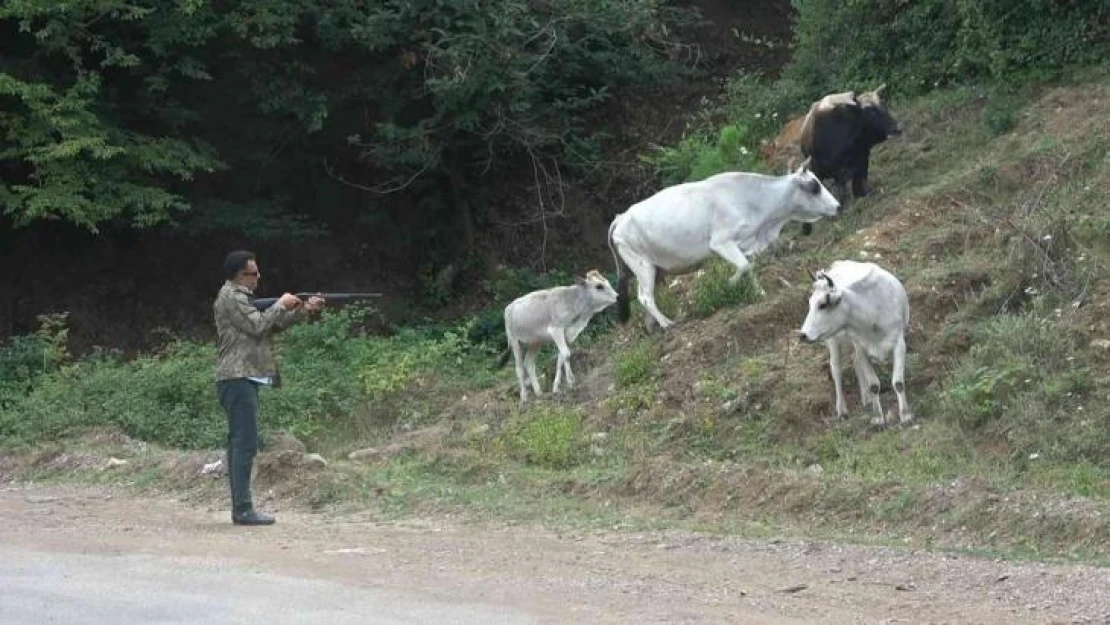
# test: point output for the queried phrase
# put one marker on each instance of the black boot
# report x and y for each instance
(252, 517)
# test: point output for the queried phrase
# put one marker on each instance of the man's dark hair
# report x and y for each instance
(236, 262)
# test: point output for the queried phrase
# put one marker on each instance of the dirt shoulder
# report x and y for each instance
(596, 577)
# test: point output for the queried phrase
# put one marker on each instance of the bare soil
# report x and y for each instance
(595, 577)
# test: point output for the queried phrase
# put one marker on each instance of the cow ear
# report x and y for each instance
(579, 280)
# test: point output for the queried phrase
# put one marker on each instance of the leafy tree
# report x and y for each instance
(247, 111)
(68, 151)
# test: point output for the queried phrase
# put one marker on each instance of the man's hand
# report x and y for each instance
(314, 304)
(289, 301)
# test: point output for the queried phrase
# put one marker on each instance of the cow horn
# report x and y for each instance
(805, 164)
(829, 280)
(876, 90)
(811, 276)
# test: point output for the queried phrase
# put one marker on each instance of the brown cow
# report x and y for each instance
(785, 152)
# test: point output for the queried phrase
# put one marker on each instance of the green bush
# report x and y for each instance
(916, 46)
(332, 372)
(700, 155)
(25, 358)
(168, 398)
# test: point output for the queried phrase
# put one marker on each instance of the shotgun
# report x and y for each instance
(262, 303)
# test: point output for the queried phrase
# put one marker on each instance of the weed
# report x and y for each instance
(637, 364)
(546, 436)
(713, 292)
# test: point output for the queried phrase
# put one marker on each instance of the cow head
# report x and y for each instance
(827, 315)
(877, 120)
(597, 290)
(809, 198)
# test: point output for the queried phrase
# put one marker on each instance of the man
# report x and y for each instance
(245, 363)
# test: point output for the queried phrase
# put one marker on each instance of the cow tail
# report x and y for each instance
(624, 307)
(508, 344)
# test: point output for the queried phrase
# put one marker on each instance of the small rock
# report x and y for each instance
(1101, 344)
(212, 467)
(373, 453)
(794, 588)
(370, 453)
(282, 441)
(815, 469)
(115, 462)
(598, 437)
(314, 460)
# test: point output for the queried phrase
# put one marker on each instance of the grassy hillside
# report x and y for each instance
(991, 209)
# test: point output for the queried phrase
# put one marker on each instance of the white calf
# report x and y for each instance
(865, 305)
(733, 214)
(558, 315)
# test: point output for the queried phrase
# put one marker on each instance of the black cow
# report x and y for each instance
(839, 132)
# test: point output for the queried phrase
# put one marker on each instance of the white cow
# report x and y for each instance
(733, 214)
(557, 315)
(865, 305)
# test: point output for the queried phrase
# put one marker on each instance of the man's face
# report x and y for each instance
(249, 275)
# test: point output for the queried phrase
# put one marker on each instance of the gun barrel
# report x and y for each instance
(263, 303)
(327, 296)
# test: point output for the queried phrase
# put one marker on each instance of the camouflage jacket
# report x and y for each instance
(244, 334)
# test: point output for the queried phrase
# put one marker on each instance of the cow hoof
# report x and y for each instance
(878, 422)
(907, 418)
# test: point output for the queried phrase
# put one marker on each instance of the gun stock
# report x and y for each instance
(263, 303)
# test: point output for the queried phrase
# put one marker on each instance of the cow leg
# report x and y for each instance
(860, 187)
(645, 285)
(563, 364)
(730, 251)
(844, 188)
(834, 369)
(518, 357)
(899, 381)
(861, 377)
(865, 372)
(530, 365)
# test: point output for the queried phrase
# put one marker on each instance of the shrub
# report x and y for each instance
(25, 358)
(333, 373)
(702, 154)
(916, 46)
